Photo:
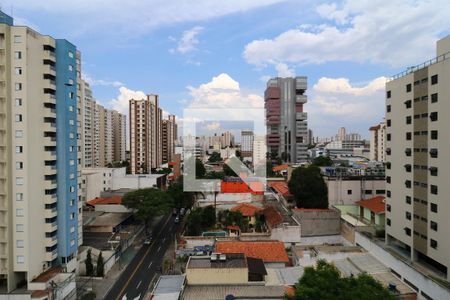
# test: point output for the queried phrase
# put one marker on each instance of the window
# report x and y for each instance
(19, 212)
(434, 79)
(434, 134)
(19, 180)
(349, 192)
(407, 168)
(433, 225)
(417, 82)
(19, 165)
(408, 120)
(18, 101)
(368, 192)
(380, 192)
(408, 151)
(71, 162)
(388, 123)
(434, 98)
(434, 189)
(18, 70)
(71, 135)
(433, 171)
(70, 54)
(70, 68)
(434, 116)
(72, 202)
(18, 86)
(72, 229)
(388, 193)
(17, 55)
(424, 98)
(388, 136)
(71, 122)
(19, 196)
(72, 189)
(19, 227)
(18, 118)
(433, 244)
(408, 103)
(408, 136)
(19, 149)
(434, 152)
(70, 108)
(408, 199)
(388, 108)
(17, 39)
(407, 231)
(19, 243)
(71, 83)
(71, 95)
(388, 222)
(388, 207)
(408, 87)
(433, 207)
(408, 215)
(71, 176)
(20, 259)
(72, 242)
(388, 165)
(388, 179)
(388, 94)
(72, 216)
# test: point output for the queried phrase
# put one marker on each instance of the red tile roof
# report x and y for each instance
(109, 200)
(375, 204)
(280, 168)
(233, 227)
(280, 186)
(268, 251)
(273, 217)
(247, 210)
(376, 127)
(48, 274)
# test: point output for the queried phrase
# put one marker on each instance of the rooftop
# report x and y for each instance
(49, 274)
(219, 292)
(114, 200)
(246, 209)
(375, 204)
(109, 219)
(272, 215)
(280, 168)
(268, 251)
(233, 260)
(168, 287)
(281, 187)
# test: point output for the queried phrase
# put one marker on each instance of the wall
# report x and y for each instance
(217, 276)
(288, 234)
(318, 222)
(422, 282)
(135, 181)
(338, 190)
(112, 208)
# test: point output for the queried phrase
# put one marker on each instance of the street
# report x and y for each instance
(135, 279)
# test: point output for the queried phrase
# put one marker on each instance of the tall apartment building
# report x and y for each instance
(341, 134)
(105, 135)
(169, 136)
(418, 156)
(145, 135)
(38, 154)
(378, 142)
(287, 128)
(119, 135)
(247, 143)
(259, 150)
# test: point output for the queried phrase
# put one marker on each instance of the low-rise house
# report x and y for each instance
(111, 204)
(373, 211)
(272, 253)
(248, 211)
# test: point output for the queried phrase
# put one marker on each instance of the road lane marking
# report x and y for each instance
(149, 265)
(138, 284)
(140, 263)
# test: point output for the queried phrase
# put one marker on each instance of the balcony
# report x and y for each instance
(49, 170)
(49, 98)
(49, 55)
(301, 83)
(51, 241)
(50, 70)
(50, 141)
(49, 84)
(301, 116)
(50, 227)
(273, 120)
(49, 127)
(50, 213)
(50, 256)
(50, 184)
(50, 199)
(301, 99)
(50, 113)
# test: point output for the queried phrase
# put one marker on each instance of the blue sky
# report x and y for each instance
(217, 52)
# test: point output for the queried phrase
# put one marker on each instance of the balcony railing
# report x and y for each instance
(425, 64)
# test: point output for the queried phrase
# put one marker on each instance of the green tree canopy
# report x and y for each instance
(179, 197)
(215, 157)
(200, 170)
(200, 219)
(324, 282)
(89, 264)
(100, 266)
(322, 161)
(148, 203)
(308, 188)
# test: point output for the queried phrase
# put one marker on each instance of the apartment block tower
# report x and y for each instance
(38, 154)
(247, 143)
(287, 128)
(169, 136)
(145, 135)
(378, 142)
(119, 135)
(418, 156)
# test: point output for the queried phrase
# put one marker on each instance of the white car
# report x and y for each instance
(148, 241)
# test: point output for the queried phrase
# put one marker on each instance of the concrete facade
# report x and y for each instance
(378, 142)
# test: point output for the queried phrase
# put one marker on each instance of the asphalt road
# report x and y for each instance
(135, 279)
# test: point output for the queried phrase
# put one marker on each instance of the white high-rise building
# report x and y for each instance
(247, 143)
(378, 142)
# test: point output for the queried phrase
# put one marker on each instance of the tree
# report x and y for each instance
(200, 170)
(201, 219)
(269, 169)
(322, 161)
(324, 282)
(100, 266)
(179, 197)
(308, 188)
(285, 156)
(148, 203)
(215, 157)
(89, 265)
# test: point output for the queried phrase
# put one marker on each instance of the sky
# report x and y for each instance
(221, 53)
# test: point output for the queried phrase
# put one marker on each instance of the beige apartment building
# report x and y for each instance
(418, 156)
(169, 136)
(145, 135)
(118, 135)
(378, 142)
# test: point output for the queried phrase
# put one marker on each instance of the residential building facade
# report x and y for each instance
(418, 155)
(169, 136)
(378, 142)
(287, 128)
(247, 143)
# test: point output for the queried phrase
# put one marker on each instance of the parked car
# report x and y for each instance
(177, 220)
(147, 241)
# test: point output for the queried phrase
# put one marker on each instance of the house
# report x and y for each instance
(111, 204)
(248, 211)
(373, 211)
(272, 253)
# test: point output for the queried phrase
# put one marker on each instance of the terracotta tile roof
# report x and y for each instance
(376, 127)
(280, 186)
(49, 274)
(247, 210)
(108, 200)
(40, 294)
(290, 290)
(268, 251)
(273, 217)
(233, 227)
(280, 168)
(375, 204)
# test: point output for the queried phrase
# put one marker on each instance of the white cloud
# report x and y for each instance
(25, 22)
(222, 92)
(133, 17)
(374, 31)
(213, 126)
(335, 102)
(284, 70)
(121, 102)
(188, 41)
(101, 82)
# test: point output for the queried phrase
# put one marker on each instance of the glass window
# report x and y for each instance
(19, 149)
(19, 165)
(19, 196)
(434, 79)
(20, 259)
(19, 243)
(19, 133)
(19, 180)
(17, 39)
(18, 101)
(18, 70)
(70, 54)
(70, 68)
(18, 86)
(19, 227)
(17, 55)
(19, 212)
